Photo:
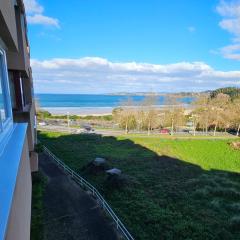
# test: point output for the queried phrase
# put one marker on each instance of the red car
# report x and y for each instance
(164, 131)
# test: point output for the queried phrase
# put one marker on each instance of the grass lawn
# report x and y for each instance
(173, 188)
(38, 184)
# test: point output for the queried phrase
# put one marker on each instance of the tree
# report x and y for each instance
(201, 112)
(232, 92)
(150, 112)
(226, 119)
(140, 117)
(162, 119)
(125, 115)
(218, 106)
(174, 113)
(236, 114)
(195, 120)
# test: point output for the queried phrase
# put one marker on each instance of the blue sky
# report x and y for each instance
(98, 46)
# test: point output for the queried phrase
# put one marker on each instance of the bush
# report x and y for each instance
(42, 114)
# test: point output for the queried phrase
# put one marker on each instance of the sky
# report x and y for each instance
(105, 46)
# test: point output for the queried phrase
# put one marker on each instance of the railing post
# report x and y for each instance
(83, 182)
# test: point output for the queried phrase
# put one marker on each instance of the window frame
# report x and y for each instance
(7, 123)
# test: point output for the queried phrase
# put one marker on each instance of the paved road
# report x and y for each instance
(69, 212)
(113, 132)
(72, 130)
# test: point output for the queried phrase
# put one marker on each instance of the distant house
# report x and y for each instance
(17, 123)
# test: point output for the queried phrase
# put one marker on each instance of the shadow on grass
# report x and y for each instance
(38, 186)
(162, 197)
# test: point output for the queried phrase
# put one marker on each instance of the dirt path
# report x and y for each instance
(69, 212)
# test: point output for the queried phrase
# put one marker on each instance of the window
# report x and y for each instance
(5, 102)
(18, 90)
(12, 90)
(2, 107)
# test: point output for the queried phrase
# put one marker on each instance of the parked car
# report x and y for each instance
(88, 129)
(42, 124)
(164, 131)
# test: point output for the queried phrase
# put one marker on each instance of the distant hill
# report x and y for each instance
(233, 92)
(177, 94)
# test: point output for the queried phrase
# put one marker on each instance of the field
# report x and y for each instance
(170, 189)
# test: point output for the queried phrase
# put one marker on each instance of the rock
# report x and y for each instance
(99, 161)
(235, 145)
(114, 171)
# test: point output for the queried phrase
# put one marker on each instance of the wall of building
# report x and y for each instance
(18, 158)
(8, 26)
(20, 60)
(20, 214)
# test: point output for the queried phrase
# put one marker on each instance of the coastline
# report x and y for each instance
(93, 111)
(80, 111)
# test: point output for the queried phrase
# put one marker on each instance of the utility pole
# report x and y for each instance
(68, 121)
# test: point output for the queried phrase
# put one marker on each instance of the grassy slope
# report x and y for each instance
(37, 206)
(207, 153)
(178, 189)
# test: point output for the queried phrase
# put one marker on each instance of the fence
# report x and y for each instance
(83, 183)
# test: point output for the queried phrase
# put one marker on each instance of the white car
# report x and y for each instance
(42, 124)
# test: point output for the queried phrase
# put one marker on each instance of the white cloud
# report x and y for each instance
(43, 20)
(32, 6)
(231, 25)
(231, 51)
(35, 14)
(98, 75)
(230, 8)
(230, 12)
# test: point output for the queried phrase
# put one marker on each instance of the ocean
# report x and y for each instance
(89, 103)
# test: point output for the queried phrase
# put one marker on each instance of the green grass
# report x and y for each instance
(176, 188)
(207, 153)
(37, 206)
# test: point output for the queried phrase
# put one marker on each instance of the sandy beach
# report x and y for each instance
(94, 111)
(80, 111)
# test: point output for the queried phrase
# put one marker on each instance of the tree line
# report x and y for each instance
(209, 112)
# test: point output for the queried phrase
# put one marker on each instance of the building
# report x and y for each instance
(17, 123)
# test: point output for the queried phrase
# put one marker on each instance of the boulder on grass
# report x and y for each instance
(235, 145)
(99, 161)
(114, 171)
